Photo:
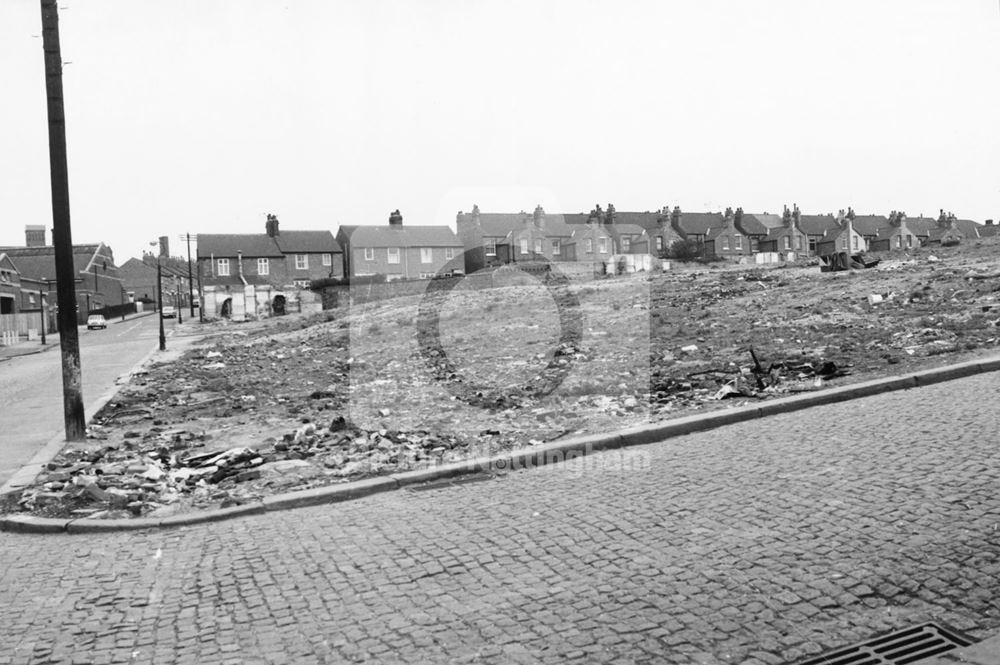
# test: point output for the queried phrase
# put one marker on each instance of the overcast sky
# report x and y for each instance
(204, 115)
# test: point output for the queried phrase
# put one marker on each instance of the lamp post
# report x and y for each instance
(179, 300)
(41, 311)
(123, 300)
(159, 297)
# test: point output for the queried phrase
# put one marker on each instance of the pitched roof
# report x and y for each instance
(754, 225)
(921, 225)
(301, 242)
(699, 223)
(970, 228)
(647, 220)
(495, 223)
(231, 244)
(868, 225)
(817, 225)
(988, 230)
(401, 236)
(40, 262)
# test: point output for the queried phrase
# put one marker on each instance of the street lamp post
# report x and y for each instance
(41, 310)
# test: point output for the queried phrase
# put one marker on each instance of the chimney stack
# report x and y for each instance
(272, 226)
(539, 216)
(396, 219)
(34, 235)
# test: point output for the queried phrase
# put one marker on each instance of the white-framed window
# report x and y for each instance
(222, 267)
(392, 253)
(725, 242)
(738, 242)
(263, 267)
(588, 245)
(369, 253)
(786, 242)
(449, 253)
(538, 245)
(426, 255)
(798, 243)
(909, 241)
(556, 247)
(524, 245)
(899, 242)
(327, 259)
(843, 243)
(602, 245)
(812, 244)
(301, 261)
(659, 243)
(854, 242)
(491, 246)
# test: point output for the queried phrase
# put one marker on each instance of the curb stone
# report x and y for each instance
(549, 453)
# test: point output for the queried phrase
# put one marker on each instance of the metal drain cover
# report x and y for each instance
(897, 648)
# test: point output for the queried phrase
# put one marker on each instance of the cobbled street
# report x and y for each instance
(756, 543)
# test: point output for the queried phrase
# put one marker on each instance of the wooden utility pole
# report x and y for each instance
(62, 238)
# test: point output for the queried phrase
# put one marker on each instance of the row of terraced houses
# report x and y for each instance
(258, 274)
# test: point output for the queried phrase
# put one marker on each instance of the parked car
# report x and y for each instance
(169, 312)
(96, 321)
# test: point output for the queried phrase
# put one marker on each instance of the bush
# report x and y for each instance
(686, 250)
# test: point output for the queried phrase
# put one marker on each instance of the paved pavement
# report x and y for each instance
(31, 385)
(761, 542)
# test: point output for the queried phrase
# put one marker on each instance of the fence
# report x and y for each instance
(20, 323)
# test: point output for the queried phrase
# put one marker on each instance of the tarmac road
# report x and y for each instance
(31, 385)
(759, 542)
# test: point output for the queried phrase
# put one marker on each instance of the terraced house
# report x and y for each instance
(248, 275)
(399, 252)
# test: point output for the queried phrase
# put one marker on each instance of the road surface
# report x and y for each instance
(754, 543)
(31, 386)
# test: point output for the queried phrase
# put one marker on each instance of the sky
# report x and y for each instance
(203, 116)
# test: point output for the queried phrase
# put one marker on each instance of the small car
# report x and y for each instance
(96, 321)
(169, 312)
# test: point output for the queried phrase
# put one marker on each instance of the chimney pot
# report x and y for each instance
(396, 219)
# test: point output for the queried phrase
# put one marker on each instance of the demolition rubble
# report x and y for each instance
(294, 403)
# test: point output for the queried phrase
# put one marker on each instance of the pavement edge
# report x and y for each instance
(549, 453)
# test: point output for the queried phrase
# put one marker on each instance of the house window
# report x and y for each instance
(626, 244)
(328, 259)
(725, 242)
(31, 298)
(524, 245)
(222, 267)
(556, 248)
(786, 242)
(798, 243)
(602, 245)
(393, 254)
(589, 245)
(754, 244)
(301, 261)
(538, 245)
(899, 241)
(659, 243)
(909, 241)
(812, 244)
(426, 255)
(491, 247)
(449, 253)
(854, 242)
(738, 242)
(263, 267)
(369, 253)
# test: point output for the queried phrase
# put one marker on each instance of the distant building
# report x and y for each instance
(98, 281)
(249, 275)
(399, 252)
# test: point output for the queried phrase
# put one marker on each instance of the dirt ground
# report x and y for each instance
(272, 406)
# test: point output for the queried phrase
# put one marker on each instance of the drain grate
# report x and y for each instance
(897, 648)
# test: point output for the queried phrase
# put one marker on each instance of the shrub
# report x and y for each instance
(686, 250)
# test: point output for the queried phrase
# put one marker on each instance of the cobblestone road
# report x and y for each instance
(754, 543)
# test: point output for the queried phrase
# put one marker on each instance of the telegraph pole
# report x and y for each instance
(62, 239)
(187, 237)
(159, 300)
